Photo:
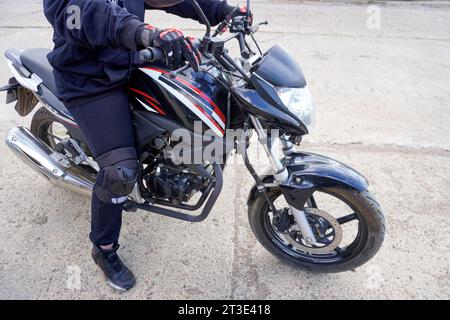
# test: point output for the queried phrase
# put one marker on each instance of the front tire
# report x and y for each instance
(370, 236)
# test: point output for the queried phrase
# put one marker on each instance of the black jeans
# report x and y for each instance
(106, 125)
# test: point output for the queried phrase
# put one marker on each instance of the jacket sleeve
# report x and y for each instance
(215, 10)
(101, 23)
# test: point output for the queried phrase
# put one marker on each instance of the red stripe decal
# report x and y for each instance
(156, 107)
(204, 96)
(150, 100)
(210, 119)
(157, 70)
(197, 90)
(144, 94)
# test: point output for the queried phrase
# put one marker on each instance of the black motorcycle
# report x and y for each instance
(307, 209)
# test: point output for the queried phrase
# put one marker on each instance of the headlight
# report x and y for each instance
(299, 102)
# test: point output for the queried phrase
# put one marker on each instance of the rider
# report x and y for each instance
(96, 47)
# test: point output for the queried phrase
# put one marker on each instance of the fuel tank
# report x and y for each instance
(187, 98)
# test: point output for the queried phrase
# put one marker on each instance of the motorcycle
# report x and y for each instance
(306, 209)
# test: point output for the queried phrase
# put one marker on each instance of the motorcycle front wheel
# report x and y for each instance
(348, 226)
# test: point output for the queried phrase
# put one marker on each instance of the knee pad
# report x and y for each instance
(117, 176)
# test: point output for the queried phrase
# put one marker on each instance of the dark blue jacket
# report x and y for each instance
(98, 57)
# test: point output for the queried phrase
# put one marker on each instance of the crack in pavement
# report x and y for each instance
(244, 281)
(23, 14)
(25, 27)
(346, 35)
(392, 148)
(288, 33)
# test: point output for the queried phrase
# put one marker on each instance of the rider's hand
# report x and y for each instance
(145, 35)
(234, 12)
(241, 11)
(176, 47)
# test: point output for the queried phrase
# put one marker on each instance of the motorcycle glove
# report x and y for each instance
(145, 35)
(176, 47)
(239, 11)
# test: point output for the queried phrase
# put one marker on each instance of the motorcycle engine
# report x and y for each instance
(175, 185)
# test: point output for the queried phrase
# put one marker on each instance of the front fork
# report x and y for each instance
(281, 175)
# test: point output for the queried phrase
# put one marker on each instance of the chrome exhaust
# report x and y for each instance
(50, 164)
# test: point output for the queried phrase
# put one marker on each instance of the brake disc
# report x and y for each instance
(326, 228)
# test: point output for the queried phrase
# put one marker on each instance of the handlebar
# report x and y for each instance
(151, 54)
(239, 31)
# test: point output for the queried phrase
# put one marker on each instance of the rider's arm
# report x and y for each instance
(215, 10)
(101, 23)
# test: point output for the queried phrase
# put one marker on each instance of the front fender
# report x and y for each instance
(309, 172)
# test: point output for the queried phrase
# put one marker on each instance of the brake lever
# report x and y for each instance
(255, 28)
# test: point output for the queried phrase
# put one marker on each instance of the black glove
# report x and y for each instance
(233, 12)
(145, 35)
(241, 11)
(177, 48)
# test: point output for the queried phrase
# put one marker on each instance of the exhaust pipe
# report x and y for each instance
(51, 165)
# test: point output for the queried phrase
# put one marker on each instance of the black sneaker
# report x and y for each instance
(117, 274)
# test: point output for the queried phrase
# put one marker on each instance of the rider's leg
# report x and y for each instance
(106, 125)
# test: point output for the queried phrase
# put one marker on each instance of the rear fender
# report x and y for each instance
(309, 172)
(24, 85)
(28, 89)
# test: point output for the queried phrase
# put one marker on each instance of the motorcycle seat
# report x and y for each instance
(35, 60)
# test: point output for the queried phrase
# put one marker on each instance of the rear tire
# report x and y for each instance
(40, 124)
(369, 215)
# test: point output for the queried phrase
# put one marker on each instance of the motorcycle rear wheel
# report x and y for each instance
(369, 238)
(51, 130)
(42, 127)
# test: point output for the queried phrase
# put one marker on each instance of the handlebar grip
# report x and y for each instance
(244, 51)
(151, 54)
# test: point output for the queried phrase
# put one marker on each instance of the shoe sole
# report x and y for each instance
(112, 284)
(115, 286)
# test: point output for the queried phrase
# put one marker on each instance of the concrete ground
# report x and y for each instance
(383, 98)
